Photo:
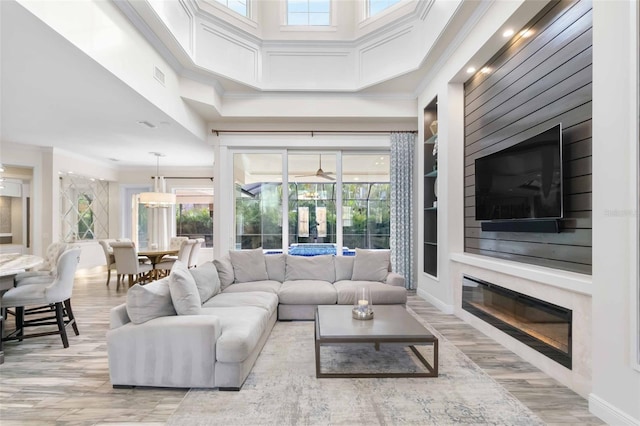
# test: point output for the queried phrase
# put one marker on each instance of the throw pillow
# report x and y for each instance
(370, 265)
(150, 301)
(183, 289)
(207, 280)
(344, 267)
(249, 265)
(225, 271)
(319, 268)
(275, 266)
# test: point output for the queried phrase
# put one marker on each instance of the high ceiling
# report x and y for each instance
(55, 95)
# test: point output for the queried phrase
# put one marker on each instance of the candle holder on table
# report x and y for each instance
(362, 305)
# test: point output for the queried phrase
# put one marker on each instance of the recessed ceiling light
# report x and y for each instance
(356, 178)
(471, 70)
(508, 33)
(147, 123)
(485, 70)
(526, 33)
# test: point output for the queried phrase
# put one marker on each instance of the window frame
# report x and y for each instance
(285, 27)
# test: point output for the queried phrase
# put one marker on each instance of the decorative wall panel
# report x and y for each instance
(536, 81)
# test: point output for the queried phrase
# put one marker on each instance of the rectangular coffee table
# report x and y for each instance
(390, 324)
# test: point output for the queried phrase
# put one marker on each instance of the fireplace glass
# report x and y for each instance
(541, 325)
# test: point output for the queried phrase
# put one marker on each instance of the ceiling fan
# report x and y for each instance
(321, 173)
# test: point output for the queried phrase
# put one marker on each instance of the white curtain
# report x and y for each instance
(402, 149)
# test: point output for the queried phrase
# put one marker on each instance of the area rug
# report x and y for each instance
(282, 388)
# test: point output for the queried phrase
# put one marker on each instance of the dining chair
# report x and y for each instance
(164, 266)
(45, 273)
(109, 258)
(195, 252)
(176, 242)
(127, 263)
(49, 304)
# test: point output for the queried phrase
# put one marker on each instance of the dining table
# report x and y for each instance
(155, 256)
(11, 264)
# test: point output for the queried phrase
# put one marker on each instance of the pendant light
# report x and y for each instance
(158, 198)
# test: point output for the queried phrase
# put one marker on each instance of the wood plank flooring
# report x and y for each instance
(42, 384)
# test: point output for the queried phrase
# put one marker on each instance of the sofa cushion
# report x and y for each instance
(275, 266)
(381, 294)
(242, 328)
(249, 265)
(307, 292)
(268, 286)
(370, 265)
(344, 267)
(259, 299)
(207, 280)
(319, 268)
(225, 271)
(150, 301)
(184, 291)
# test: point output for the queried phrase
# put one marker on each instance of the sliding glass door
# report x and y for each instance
(333, 199)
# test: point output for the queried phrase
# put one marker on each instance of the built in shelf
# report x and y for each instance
(431, 243)
(430, 208)
(433, 173)
(431, 140)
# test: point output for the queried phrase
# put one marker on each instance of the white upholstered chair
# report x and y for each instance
(109, 258)
(176, 242)
(47, 304)
(127, 263)
(195, 252)
(45, 273)
(165, 265)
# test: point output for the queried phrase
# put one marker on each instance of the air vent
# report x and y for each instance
(158, 75)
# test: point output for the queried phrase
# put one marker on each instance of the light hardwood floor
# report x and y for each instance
(42, 384)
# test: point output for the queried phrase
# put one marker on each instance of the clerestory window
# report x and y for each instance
(308, 12)
(238, 6)
(376, 6)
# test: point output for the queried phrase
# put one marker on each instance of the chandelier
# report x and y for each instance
(158, 198)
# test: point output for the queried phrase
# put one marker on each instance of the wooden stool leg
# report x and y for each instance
(72, 319)
(108, 276)
(20, 322)
(61, 327)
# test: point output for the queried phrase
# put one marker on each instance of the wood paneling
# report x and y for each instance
(535, 83)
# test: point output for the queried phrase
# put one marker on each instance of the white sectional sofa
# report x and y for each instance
(205, 327)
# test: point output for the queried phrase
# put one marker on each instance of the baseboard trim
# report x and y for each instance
(610, 414)
(444, 307)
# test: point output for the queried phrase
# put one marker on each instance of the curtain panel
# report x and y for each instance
(402, 150)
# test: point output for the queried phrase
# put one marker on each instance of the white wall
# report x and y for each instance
(100, 30)
(615, 395)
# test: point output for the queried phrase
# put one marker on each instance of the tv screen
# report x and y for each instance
(523, 181)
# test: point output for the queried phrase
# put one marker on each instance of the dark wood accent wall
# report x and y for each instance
(534, 83)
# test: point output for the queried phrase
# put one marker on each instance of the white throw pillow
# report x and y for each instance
(370, 265)
(150, 301)
(183, 289)
(275, 266)
(225, 271)
(249, 265)
(319, 268)
(207, 280)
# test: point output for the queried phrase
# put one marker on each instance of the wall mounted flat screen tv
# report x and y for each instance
(523, 181)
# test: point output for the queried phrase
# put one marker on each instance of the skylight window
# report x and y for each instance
(238, 6)
(377, 6)
(308, 12)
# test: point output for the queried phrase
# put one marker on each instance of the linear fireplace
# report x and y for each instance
(541, 325)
